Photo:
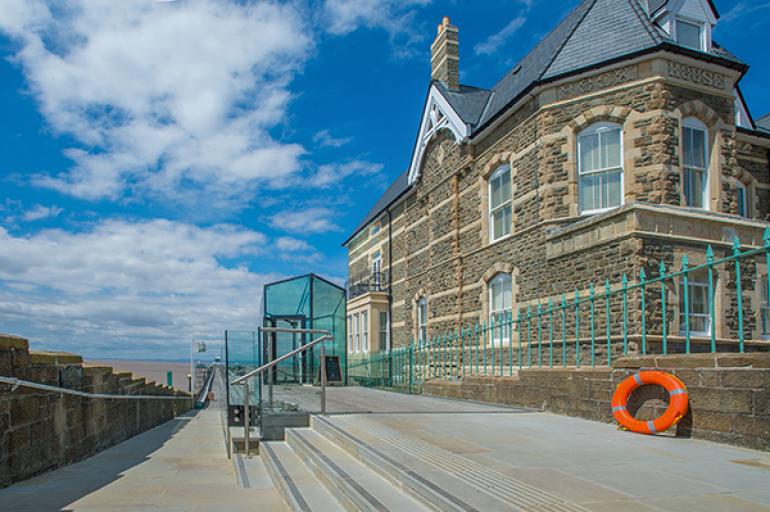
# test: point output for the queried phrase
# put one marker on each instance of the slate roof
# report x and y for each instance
(763, 123)
(625, 29)
(393, 193)
(656, 5)
(595, 33)
(468, 102)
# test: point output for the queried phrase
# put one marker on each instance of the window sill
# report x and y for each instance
(590, 213)
(501, 239)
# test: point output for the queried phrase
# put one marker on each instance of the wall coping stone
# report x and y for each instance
(718, 360)
(97, 370)
(9, 341)
(57, 358)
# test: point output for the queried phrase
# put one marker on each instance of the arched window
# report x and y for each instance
(500, 306)
(695, 163)
(422, 320)
(600, 168)
(500, 212)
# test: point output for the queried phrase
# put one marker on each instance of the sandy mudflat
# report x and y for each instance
(151, 370)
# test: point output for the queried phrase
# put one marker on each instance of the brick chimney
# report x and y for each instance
(445, 55)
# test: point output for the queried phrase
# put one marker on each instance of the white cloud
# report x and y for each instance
(163, 96)
(324, 138)
(329, 174)
(41, 212)
(289, 244)
(495, 41)
(123, 286)
(396, 17)
(311, 220)
(742, 8)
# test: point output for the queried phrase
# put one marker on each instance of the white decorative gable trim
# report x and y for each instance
(742, 117)
(438, 114)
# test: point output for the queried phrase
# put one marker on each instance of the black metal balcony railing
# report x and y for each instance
(366, 283)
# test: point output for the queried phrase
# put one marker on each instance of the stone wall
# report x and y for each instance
(729, 393)
(41, 430)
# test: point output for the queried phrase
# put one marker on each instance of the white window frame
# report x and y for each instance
(743, 190)
(594, 129)
(422, 319)
(702, 36)
(384, 331)
(500, 279)
(498, 174)
(694, 282)
(365, 331)
(695, 124)
(374, 230)
(356, 331)
(377, 268)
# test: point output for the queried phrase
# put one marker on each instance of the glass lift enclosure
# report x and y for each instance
(304, 302)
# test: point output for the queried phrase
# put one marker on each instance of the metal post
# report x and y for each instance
(625, 315)
(323, 377)
(643, 281)
(270, 373)
(738, 293)
(246, 417)
(685, 288)
(663, 307)
(608, 320)
(592, 295)
(710, 262)
(577, 328)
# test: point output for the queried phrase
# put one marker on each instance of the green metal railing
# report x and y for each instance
(596, 325)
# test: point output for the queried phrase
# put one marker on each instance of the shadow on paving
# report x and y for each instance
(56, 490)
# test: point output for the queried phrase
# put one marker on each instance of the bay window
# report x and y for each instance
(365, 331)
(600, 168)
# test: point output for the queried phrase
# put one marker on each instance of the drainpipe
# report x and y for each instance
(390, 278)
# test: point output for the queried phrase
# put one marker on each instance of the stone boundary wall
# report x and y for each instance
(729, 393)
(41, 430)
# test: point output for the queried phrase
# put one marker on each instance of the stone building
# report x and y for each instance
(620, 141)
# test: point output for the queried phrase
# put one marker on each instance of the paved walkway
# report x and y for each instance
(590, 464)
(180, 466)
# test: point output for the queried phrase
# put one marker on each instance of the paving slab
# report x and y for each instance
(179, 466)
(593, 465)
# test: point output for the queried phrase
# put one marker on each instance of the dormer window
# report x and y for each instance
(690, 34)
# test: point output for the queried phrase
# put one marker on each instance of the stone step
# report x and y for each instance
(237, 437)
(301, 490)
(438, 478)
(354, 484)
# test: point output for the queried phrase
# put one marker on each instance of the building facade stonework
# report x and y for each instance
(659, 141)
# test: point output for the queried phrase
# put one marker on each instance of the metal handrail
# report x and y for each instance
(16, 383)
(265, 367)
(243, 379)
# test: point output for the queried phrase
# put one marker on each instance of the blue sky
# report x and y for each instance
(160, 161)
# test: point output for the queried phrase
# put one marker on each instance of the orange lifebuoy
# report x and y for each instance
(677, 405)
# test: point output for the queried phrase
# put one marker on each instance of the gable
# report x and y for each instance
(437, 115)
